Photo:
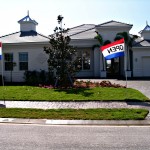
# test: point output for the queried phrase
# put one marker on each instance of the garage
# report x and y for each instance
(146, 66)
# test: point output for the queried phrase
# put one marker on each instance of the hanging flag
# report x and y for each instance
(0, 50)
(113, 50)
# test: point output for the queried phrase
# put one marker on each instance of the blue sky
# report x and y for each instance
(75, 12)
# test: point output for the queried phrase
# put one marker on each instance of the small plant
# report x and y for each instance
(97, 84)
(109, 84)
(88, 83)
(46, 86)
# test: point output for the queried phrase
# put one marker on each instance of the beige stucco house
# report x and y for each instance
(25, 49)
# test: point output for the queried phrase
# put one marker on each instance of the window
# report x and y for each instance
(23, 61)
(84, 56)
(8, 58)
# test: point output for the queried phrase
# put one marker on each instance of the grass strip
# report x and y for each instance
(80, 94)
(75, 114)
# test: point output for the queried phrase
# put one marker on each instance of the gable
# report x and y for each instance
(113, 23)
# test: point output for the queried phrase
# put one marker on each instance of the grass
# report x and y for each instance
(75, 114)
(80, 94)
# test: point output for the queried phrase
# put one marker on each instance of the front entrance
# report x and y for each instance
(113, 68)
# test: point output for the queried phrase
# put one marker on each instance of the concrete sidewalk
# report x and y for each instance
(73, 105)
(76, 122)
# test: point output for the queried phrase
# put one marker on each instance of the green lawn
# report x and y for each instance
(99, 93)
(75, 114)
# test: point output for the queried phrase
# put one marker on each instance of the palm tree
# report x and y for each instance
(101, 43)
(99, 38)
(128, 41)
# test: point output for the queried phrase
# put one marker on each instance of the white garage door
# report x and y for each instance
(146, 66)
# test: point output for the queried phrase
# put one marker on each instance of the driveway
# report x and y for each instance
(141, 85)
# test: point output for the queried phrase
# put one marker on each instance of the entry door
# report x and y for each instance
(113, 67)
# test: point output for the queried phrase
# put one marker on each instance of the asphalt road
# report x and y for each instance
(39, 137)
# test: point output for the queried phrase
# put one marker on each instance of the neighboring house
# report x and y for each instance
(24, 49)
(141, 54)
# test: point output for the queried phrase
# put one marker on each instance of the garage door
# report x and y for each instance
(146, 66)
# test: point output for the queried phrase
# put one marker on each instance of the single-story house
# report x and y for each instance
(25, 49)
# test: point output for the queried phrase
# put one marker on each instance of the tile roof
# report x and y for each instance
(147, 28)
(87, 34)
(27, 19)
(85, 31)
(22, 37)
(142, 43)
(80, 29)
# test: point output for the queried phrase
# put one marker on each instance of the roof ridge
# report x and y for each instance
(123, 22)
(82, 31)
(43, 35)
(80, 26)
(73, 28)
(9, 34)
(104, 23)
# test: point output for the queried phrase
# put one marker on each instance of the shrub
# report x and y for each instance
(36, 77)
(109, 84)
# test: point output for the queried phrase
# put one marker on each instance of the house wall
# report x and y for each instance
(37, 60)
(146, 35)
(27, 26)
(96, 57)
(140, 58)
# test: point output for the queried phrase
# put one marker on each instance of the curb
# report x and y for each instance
(76, 122)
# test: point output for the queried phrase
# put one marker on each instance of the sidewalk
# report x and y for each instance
(76, 122)
(75, 105)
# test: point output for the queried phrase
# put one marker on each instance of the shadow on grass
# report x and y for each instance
(140, 103)
(2, 106)
(81, 91)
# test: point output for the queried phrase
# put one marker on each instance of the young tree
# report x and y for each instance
(62, 61)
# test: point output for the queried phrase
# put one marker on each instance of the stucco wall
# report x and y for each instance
(37, 60)
(146, 35)
(27, 26)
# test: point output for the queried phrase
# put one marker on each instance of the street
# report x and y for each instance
(44, 137)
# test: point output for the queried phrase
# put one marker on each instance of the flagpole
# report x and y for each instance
(126, 76)
(2, 71)
(2, 67)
